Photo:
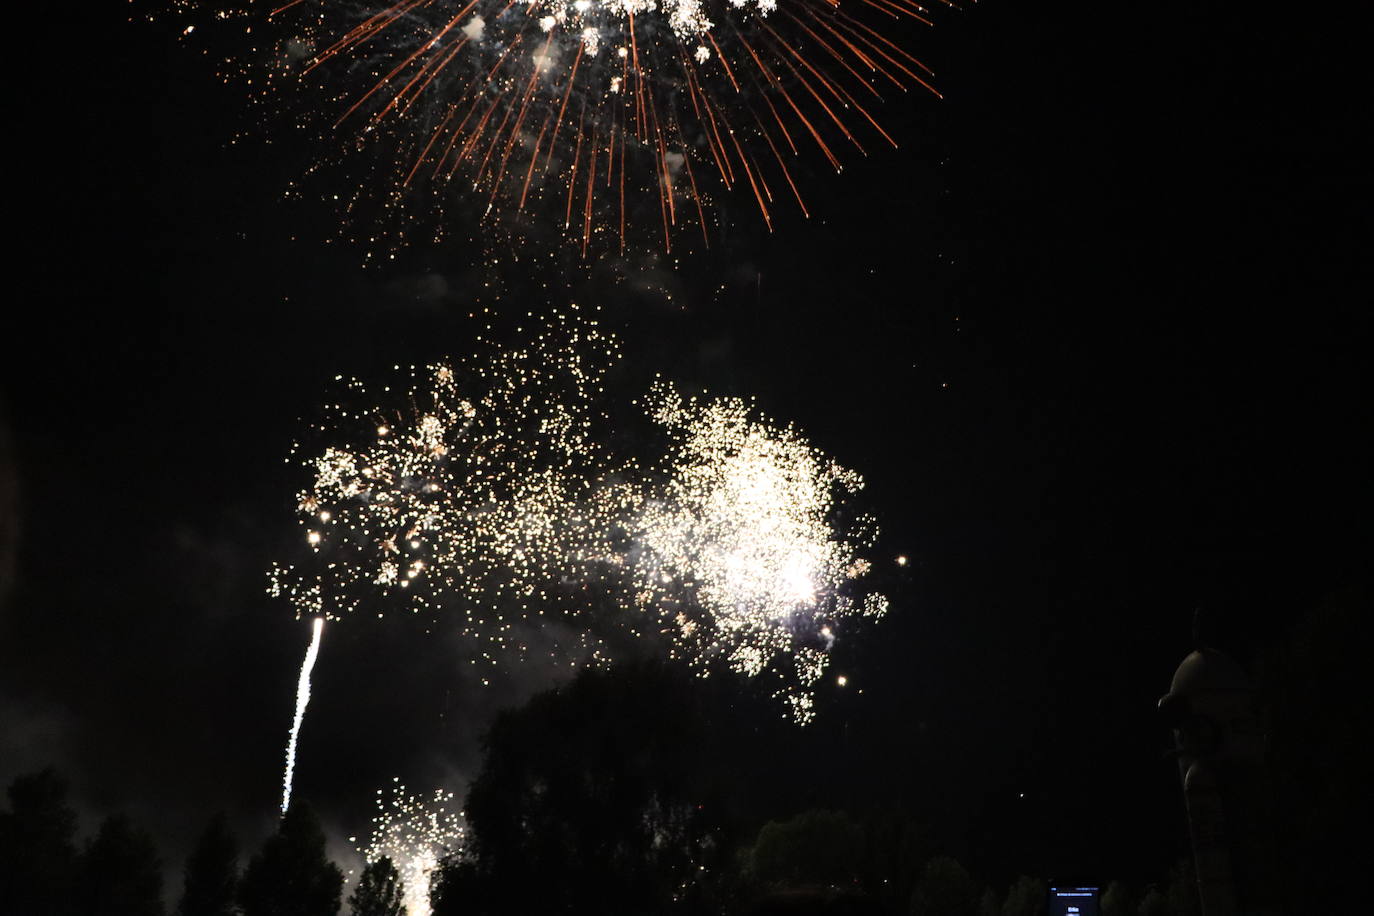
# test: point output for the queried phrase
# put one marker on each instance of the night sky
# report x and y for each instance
(1096, 336)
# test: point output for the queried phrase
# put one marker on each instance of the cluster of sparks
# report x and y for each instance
(416, 832)
(581, 112)
(744, 521)
(490, 499)
(477, 496)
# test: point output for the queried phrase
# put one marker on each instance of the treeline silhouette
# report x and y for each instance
(645, 791)
(636, 791)
(117, 872)
(820, 861)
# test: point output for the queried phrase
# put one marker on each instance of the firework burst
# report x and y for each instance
(415, 832)
(591, 114)
(476, 493)
(739, 550)
(490, 499)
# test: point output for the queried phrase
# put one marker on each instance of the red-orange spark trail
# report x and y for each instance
(622, 190)
(701, 214)
(428, 67)
(572, 77)
(483, 89)
(777, 84)
(763, 207)
(282, 9)
(723, 62)
(432, 137)
(787, 135)
(783, 165)
(839, 58)
(591, 183)
(572, 176)
(534, 158)
(433, 71)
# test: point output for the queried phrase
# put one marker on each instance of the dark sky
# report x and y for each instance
(1096, 335)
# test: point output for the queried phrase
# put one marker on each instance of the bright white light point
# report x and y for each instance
(414, 545)
(901, 561)
(623, 52)
(797, 576)
(703, 54)
(382, 430)
(325, 516)
(313, 538)
(825, 631)
(615, 84)
(592, 39)
(582, 5)
(547, 23)
(841, 680)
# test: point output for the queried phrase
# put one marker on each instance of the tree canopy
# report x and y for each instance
(291, 875)
(380, 891)
(119, 873)
(607, 795)
(816, 847)
(37, 845)
(212, 873)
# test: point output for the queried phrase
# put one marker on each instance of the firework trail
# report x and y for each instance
(415, 833)
(588, 114)
(491, 500)
(302, 700)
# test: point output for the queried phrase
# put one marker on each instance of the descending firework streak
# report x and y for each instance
(484, 493)
(302, 701)
(582, 109)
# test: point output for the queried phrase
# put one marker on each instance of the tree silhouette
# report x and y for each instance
(945, 889)
(380, 891)
(1026, 897)
(1154, 903)
(119, 874)
(607, 795)
(896, 849)
(1117, 900)
(290, 875)
(813, 848)
(1183, 893)
(37, 853)
(212, 873)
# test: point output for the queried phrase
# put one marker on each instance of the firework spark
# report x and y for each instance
(302, 700)
(492, 501)
(415, 832)
(476, 497)
(591, 112)
(739, 550)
